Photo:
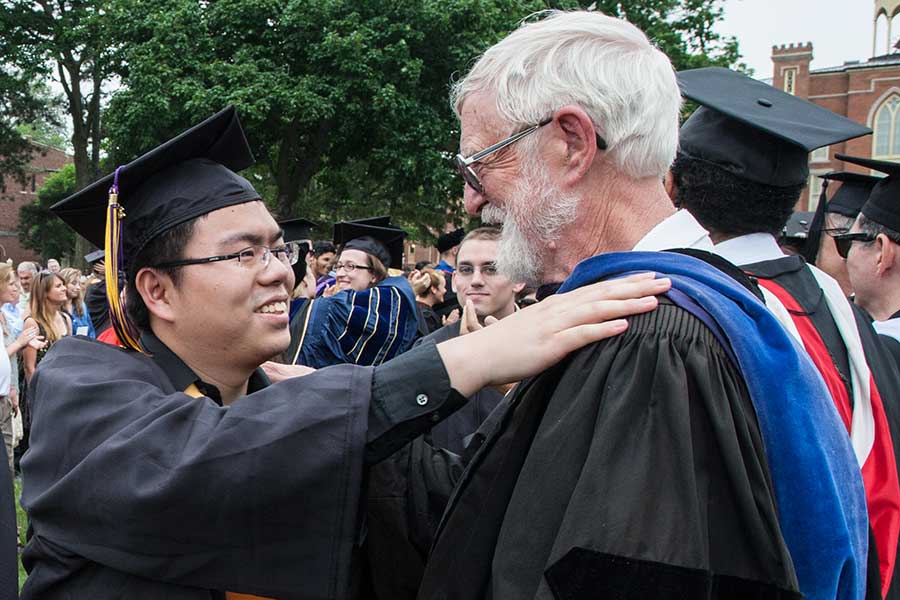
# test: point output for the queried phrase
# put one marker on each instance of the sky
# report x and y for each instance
(840, 30)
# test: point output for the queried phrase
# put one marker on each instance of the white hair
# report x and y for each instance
(605, 65)
(529, 224)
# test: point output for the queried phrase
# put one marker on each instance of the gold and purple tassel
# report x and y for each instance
(113, 256)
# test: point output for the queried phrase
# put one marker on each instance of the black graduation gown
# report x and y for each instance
(136, 490)
(632, 469)
(9, 556)
(792, 274)
(98, 308)
(891, 344)
(407, 493)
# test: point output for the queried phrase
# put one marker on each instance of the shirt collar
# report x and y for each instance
(182, 376)
(749, 249)
(680, 230)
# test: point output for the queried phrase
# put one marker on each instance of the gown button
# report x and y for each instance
(421, 399)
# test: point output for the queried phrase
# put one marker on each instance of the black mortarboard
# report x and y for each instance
(375, 236)
(447, 240)
(883, 205)
(754, 130)
(847, 201)
(93, 257)
(297, 229)
(190, 175)
(797, 227)
(853, 193)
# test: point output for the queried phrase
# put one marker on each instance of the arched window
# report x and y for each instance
(886, 143)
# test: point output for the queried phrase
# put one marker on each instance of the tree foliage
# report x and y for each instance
(39, 229)
(345, 102)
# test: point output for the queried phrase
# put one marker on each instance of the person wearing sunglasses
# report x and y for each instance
(742, 164)
(173, 467)
(833, 217)
(872, 251)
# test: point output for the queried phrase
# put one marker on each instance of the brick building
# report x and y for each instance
(866, 91)
(13, 195)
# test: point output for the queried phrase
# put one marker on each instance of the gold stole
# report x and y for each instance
(193, 392)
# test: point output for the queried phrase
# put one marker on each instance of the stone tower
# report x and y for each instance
(887, 9)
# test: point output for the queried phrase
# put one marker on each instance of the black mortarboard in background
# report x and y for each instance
(93, 257)
(375, 236)
(797, 227)
(847, 201)
(188, 176)
(853, 193)
(883, 205)
(297, 230)
(754, 130)
(448, 240)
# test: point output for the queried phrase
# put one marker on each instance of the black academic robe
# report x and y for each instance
(135, 489)
(632, 469)
(98, 308)
(454, 432)
(9, 556)
(891, 344)
(792, 274)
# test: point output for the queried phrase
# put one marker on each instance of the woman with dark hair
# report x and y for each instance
(366, 317)
(48, 296)
(75, 305)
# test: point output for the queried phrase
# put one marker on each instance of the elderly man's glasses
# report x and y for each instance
(250, 257)
(464, 165)
(349, 267)
(843, 241)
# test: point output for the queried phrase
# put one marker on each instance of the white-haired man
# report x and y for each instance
(650, 465)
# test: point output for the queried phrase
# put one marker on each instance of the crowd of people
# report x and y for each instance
(632, 379)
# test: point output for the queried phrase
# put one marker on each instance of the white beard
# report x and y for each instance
(535, 215)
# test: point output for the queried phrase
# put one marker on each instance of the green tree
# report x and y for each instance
(345, 102)
(72, 42)
(41, 230)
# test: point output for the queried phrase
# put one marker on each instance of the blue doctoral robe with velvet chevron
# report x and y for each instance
(697, 455)
(365, 328)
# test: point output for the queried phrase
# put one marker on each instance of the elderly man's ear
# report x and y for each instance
(671, 187)
(575, 144)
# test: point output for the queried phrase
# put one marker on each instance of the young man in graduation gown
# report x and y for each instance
(872, 251)
(173, 470)
(742, 163)
(669, 462)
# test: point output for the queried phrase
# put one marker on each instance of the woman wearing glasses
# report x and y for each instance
(48, 297)
(366, 317)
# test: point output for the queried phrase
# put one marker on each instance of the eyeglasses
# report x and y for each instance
(250, 257)
(843, 241)
(464, 165)
(488, 270)
(349, 267)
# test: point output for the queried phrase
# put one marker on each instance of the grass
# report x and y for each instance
(21, 521)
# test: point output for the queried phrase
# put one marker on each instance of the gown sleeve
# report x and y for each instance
(261, 497)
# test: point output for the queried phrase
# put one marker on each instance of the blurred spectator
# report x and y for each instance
(26, 271)
(430, 287)
(48, 297)
(75, 305)
(53, 265)
(323, 253)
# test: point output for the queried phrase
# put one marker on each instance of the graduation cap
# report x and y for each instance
(847, 201)
(754, 130)
(797, 227)
(375, 236)
(190, 175)
(883, 204)
(93, 257)
(450, 239)
(297, 229)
